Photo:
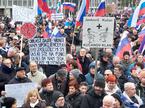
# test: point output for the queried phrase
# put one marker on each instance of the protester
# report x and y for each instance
(35, 75)
(33, 100)
(20, 77)
(94, 98)
(108, 101)
(9, 102)
(83, 88)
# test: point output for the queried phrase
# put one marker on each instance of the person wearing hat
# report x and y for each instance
(118, 102)
(95, 96)
(59, 80)
(126, 61)
(20, 76)
(59, 101)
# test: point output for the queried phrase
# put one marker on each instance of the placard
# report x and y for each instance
(98, 32)
(48, 51)
(19, 91)
(23, 14)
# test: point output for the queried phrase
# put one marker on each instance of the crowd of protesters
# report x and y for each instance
(117, 83)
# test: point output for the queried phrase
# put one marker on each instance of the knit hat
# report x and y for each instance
(56, 95)
(61, 73)
(78, 75)
(116, 96)
(111, 78)
(8, 102)
(92, 65)
(100, 83)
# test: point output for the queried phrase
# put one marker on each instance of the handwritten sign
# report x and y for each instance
(19, 91)
(48, 51)
(23, 14)
(28, 30)
(57, 16)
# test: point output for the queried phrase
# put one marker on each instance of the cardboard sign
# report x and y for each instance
(98, 32)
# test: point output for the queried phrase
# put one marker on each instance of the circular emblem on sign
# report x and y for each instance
(28, 30)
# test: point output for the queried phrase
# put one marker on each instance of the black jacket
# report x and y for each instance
(16, 80)
(74, 99)
(92, 100)
(47, 96)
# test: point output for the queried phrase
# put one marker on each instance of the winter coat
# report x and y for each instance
(85, 62)
(74, 99)
(41, 104)
(6, 74)
(47, 96)
(16, 80)
(92, 100)
(141, 92)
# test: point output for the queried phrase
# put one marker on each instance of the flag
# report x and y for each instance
(42, 4)
(142, 8)
(124, 45)
(69, 6)
(56, 33)
(101, 11)
(82, 12)
(58, 7)
(133, 18)
(141, 35)
(142, 46)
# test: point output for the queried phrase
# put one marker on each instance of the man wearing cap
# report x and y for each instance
(95, 96)
(20, 76)
(59, 101)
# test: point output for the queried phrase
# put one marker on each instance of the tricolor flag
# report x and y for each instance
(124, 45)
(136, 19)
(56, 33)
(142, 46)
(101, 11)
(42, 4)
(82, 12)
(69, 6)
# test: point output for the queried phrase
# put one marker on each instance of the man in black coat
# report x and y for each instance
(95, 96)
(20, 76)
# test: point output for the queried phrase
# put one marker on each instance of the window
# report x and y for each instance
(24, 2)
(14, 2)
(9, 2)
(19, 2)
(4, 2)
(29, 3)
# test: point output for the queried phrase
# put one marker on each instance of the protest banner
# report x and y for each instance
(57, 16)
(23, 14)
(47, 51)
(19, 91)
(98, 32)
(28, 30)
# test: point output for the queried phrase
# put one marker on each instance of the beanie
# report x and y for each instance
(56, 95)
(116, 96)
(100, 83)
